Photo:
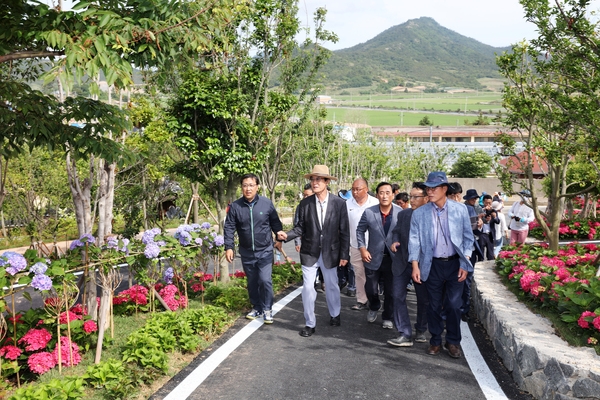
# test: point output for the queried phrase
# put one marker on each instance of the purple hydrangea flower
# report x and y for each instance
(13, 262)
(87, 238)
(168, 275)
(198, 241)
(112, 243)
(125, 244)
(213, 234)
(38, 268)
(184, 238)
(41, 282)
(148, 236)
(205, 225)
(161, 243)
(196, 227)
(152, 250)
(219, 240)
(75, 244)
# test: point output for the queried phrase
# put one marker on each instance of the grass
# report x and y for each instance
(393, 118)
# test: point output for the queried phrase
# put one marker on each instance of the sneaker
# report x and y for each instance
(409, 287)
(387, 324)
(254, 314)
(359, 306)
(268, 317)
(372, 315)
(400, 341)
(420, 337)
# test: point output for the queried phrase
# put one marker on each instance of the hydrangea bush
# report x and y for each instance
(565, 281)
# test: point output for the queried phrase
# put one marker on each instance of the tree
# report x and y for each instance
(472, 164)
(425, 121)
(553, 101)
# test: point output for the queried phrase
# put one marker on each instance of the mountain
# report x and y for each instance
(419, 50)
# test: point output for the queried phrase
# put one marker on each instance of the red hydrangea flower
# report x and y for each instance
(79, 309)
(35, 339)
(65, 354)
(197, 287)
(10, 352)
(41, 362)
(16, 318)
(239, 274)
(596, 323)
(90, 326)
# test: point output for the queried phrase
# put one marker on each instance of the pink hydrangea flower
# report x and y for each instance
(596, 323)
(562, 274)
(62, 319)
(90, 326)
(582, 322)
(41, 362)
(10, 352)
(65, 354)
(35, 339)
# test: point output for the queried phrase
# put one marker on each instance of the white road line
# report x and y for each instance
(485, 378)
(202, 371)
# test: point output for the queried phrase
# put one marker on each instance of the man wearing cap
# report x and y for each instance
(323, 226)
(501, 229)
(520, 215)
(439, 248)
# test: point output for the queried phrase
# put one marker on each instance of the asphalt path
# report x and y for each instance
(352, 361)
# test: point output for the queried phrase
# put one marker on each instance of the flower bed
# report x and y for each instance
(571, 229)
(563, 282)
(169, 270)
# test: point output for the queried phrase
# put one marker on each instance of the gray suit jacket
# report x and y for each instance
(421, 241)
(378, 240)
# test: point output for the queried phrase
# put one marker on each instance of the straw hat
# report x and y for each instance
(321, 171)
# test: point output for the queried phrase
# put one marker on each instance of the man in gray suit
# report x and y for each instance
(439, 248)
(379, 221)
(323, 227)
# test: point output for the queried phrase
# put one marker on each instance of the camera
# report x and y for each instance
(516, 218)
(489, 212)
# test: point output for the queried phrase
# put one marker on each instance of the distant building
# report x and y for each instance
(539, 167)
(321, 99)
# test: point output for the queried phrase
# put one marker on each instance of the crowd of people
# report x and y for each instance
(378, 245)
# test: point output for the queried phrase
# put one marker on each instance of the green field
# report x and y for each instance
(393, 117)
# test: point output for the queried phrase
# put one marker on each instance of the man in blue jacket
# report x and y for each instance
(254, 217)
(440, 246)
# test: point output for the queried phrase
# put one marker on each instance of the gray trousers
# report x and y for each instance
(309, 294)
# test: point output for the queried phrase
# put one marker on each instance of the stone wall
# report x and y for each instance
(541, 363)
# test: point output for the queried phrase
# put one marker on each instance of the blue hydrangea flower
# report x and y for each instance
(198, 241)
(219, 240)
(125, 244)
(152, 250)
(38, 268)
(196, 227)
(205, 225)
(75, 244)
(161, 243)
(13, 262)
(87, 238)
(41, 282)
(168, 275)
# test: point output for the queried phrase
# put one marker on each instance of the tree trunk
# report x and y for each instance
(195, 196)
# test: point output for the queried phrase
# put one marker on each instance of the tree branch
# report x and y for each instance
(19, 55)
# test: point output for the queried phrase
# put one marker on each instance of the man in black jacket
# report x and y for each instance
(323, 226)
(254, 218)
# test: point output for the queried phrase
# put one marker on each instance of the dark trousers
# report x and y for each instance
(422, 306)
(444, 277)
(401, 316)
(372, 288)
(486, 244)
(346, 277)
(260, 286)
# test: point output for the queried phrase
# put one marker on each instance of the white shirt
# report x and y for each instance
(521, 211)
(501, 228)
(355, 212)
(322, 209)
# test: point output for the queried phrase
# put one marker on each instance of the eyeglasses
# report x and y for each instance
(317, 179)
(416, 197)
(249, 186)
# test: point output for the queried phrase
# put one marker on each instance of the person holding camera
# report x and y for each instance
(488, 229)
(520, 215)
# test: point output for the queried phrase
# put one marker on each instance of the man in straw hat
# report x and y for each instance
(439, 248)
(323, 227)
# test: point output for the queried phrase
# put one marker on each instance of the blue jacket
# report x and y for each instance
(421, 241)
(254, 223)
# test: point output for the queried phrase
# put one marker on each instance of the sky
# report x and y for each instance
(498, 23)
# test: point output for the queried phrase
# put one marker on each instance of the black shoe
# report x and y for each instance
(307, 331)
(465, 317)
(335, 321)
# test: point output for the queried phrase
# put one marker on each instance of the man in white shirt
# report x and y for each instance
(356, 205)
